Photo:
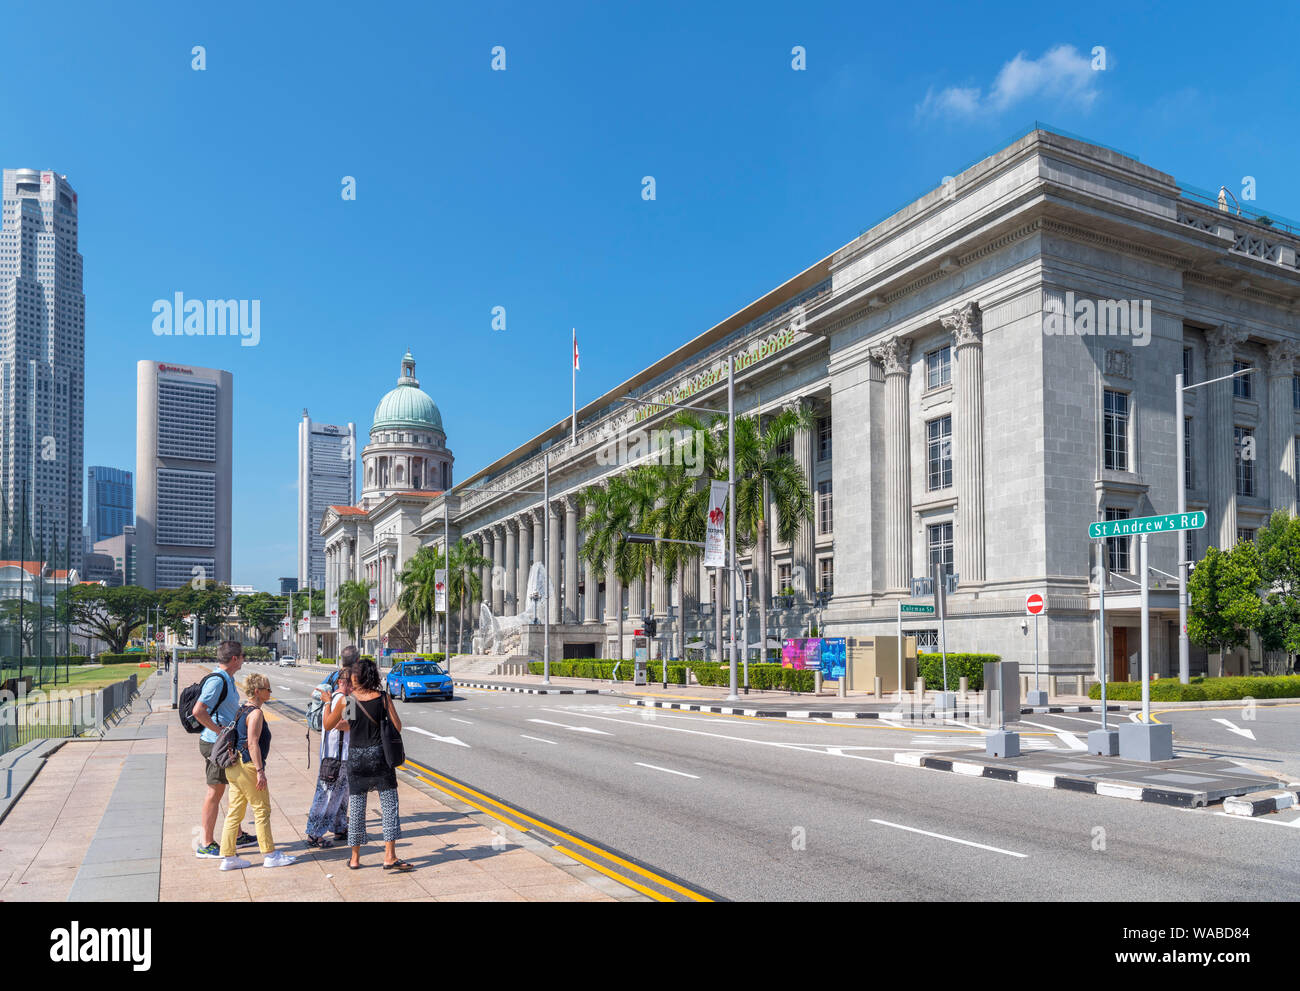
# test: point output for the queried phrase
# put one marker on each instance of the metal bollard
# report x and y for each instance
(877, 687)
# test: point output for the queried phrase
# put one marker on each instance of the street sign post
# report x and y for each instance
(1145, 741)
(910, 608)
(1035, 605)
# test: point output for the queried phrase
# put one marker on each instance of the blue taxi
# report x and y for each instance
(417, 679)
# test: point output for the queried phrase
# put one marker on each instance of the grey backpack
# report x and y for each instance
(225, 752)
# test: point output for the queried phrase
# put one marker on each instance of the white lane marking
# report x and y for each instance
(285, 688)
(1233, 728)
(1290, 824)
(1095, 721)
(455, 720)
(951, 839)
(538, 739)
(806, 748)
(576, 729)
(667, 770)
(1070, 740)
(440, 739)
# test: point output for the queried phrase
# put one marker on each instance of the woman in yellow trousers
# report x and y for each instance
(248, 780)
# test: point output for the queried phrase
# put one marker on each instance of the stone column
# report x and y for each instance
(967, 327)
(570, 560)
(659, 592)
(1222, 524)
(485, 572)
(635, 604)
(511, 565)
(553, 573)
(895, 358)
(690, 597)
(591, 585)
(525, 523)
(1281, 425)
(803, 553)
(498, 558)
(613, 593)
(537, 517)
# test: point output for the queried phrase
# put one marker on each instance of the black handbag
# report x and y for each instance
(394, 749)
(330, 766)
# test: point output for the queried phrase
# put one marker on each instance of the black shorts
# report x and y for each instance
(215, 775)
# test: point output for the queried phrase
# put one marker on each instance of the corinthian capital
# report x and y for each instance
(1224, 337)
(966, 324)
(894, 356)
(1282, 356)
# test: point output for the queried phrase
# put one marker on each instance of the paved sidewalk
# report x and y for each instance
(116, 819)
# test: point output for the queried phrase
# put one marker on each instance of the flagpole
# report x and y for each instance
(574, 377)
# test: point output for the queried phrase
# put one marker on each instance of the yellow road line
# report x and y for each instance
(461, 798)
(570, 837)
(617, 877)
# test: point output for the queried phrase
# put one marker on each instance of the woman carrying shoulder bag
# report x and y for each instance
(369, 769)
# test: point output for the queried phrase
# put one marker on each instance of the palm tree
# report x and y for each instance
(603, 522)
(464, 580)
(765, 473)
(419, 595)
(354, 607)
(639, 492)
(685, 505)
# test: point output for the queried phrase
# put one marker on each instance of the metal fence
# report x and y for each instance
(62, 717)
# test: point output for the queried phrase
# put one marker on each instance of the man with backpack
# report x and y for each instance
(217, 706)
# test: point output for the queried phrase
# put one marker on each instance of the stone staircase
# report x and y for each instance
(466, 665)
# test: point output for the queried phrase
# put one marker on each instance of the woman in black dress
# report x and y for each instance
(368, 769)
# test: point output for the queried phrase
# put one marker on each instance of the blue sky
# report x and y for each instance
(522, 188)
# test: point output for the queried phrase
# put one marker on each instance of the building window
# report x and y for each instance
(1245, 533)
(938, 367)
(938, 439)
(1243, 387)
(1187, 366)
(1117, 548)
(1116, 431)
(826, 576)
(825, 508)
(1245, 455)
(782, 578)
(824, 438)
(1187, 454)
(1189, 545)
(927, 641)
(749, 583)
(939, 541)
(1295, 391)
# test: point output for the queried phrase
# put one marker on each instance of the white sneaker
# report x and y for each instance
(234, 864)
(277, 859)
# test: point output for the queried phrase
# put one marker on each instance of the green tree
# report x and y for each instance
(418, 598)
(765, 475)
(1226, 604)
(261, 611)
(112, 614)
(1278, 544)
(465, 580)
(354, 607)
(605, 519)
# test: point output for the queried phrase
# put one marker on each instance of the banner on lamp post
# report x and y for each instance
(374, 610)
(440, 589)
(715, 526)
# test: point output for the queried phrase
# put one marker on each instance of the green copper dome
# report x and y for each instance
(407, 407)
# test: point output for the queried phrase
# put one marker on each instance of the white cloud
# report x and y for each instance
(1063, 74)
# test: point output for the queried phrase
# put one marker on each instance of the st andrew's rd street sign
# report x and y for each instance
(1147, 524)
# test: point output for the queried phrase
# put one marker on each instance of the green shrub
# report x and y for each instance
(969, 666)
(122, 658)
(604, 670)
(1201, 689)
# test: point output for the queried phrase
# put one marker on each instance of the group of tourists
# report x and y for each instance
(359, 723)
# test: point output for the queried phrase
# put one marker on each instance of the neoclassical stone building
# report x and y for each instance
(991, 369)
(406, 463)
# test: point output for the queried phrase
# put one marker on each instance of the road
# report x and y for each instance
(761, 809)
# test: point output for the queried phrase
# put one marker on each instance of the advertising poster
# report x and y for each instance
(802, 654)
(440, 589)
(715, 526)
(833, 655)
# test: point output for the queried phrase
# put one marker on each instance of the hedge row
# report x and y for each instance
(764, 677)
(604, 670)
(969, 666)
(1202, 689)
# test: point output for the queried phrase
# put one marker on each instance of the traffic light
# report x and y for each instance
(650, 627)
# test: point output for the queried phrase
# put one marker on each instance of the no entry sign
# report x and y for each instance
(1034, 604)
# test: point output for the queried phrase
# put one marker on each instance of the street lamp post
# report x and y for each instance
(1184, 663)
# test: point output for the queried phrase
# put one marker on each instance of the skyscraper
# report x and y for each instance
(42, 359)
(182, 467)
(109, 505)
(327, 476)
